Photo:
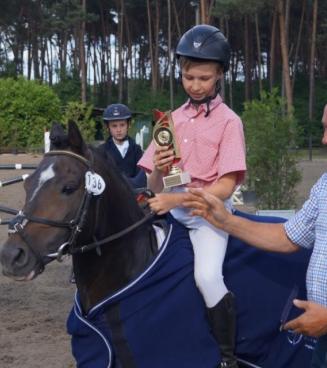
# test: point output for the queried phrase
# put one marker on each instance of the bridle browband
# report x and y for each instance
(19, 222)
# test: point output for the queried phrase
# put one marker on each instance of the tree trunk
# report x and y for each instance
(106, 64)
(247, 65)
(155, 72)
(43, 49)
(285, 59)
(179, 33)
(230, 73)
(222, 80)
(298, 42)
(82, 61)
(272, 51)
(120, 52)
(94, 65)
(151, 51)
(204, 11)
(258, 51)
(29, 56)
(64, 52)
(312, 64)
(211, 5)
(35, 52)
(170, 70)
(50, 61)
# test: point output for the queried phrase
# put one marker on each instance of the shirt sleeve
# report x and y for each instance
(324, 116)
(146, 161)
(300, 229)
(232, 156)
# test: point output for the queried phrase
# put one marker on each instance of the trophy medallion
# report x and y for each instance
(164, 135)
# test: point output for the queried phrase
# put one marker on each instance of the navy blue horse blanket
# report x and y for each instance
(159, 319)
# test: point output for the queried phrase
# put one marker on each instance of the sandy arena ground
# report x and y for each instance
(33, 315)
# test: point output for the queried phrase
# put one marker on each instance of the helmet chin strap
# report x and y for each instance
(206, 100)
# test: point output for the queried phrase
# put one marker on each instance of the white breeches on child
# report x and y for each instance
(209, 245)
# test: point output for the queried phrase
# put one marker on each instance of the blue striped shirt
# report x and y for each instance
(308, 229)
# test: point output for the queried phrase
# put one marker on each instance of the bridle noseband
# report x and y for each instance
(19, 222)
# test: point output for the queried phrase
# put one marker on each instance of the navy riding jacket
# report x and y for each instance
(128, 164)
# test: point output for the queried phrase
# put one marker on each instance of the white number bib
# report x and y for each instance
(94, 183)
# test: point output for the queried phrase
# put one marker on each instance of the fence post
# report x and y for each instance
(46, 140)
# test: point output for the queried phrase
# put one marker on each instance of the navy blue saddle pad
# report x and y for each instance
(264, 284)
(159, 319)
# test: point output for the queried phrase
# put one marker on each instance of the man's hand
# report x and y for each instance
(206, 205)
(313, 322)
(164, 202)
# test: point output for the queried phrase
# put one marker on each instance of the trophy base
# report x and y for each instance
(176, 179)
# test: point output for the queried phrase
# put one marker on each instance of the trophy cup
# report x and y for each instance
(164, 135)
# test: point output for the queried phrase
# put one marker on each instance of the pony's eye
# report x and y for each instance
(68, 189)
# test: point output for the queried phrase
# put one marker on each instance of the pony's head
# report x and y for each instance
(61, 207)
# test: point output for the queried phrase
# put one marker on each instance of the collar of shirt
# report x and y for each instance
(190, 110)
(122, 148)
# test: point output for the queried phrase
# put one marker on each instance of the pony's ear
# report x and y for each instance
(75, 138)
(58, 138)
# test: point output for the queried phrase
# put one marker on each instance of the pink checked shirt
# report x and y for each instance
(210, 146)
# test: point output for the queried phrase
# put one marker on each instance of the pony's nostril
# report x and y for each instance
(13, 256)
(19, 258)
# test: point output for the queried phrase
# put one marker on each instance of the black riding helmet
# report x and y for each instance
(116, 112)
(205, 42)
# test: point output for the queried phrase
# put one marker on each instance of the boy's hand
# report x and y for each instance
(163, 158)
(164, 202)
(206, 205)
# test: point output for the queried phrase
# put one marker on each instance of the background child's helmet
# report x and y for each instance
(205, 42)
(116, 112)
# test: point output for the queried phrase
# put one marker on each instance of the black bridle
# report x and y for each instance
(19, 222)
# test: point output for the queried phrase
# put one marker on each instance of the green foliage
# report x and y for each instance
(26, 108)
(82, 115)
(272, 171)
(239, 7)
(301, 106)
(7, 69)
(142, 99)
(69, 87)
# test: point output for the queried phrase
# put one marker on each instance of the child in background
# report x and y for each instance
(211, 141)
(122, 148)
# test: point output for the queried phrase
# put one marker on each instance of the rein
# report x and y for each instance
(76, 225)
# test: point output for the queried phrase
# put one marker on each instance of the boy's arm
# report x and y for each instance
(154, 181)
(224, 187)
(164, 202)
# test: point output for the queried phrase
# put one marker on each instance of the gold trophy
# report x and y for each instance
(164, 135)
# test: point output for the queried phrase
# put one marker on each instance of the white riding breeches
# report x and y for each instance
(209, 245)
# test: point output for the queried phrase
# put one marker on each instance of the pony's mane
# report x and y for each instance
(102, 160)
(109, 164)
(117, 180)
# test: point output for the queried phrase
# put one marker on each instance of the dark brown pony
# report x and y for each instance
(69, 210)
(60, 216)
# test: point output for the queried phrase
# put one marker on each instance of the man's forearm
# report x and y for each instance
(265, 236)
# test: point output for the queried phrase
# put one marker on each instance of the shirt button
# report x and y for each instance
(192, 120)
(185, 140)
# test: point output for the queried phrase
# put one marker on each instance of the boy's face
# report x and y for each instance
(199, 80)
(118, 129)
